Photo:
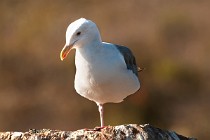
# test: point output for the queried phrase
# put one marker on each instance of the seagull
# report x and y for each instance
(105, 72)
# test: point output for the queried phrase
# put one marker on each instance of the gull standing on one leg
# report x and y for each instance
(105, 72)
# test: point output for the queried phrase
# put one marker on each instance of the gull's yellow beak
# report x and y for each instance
(66, 49)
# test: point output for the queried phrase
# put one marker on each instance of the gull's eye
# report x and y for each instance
(78, 33)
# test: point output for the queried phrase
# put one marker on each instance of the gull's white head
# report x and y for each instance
(79, 34)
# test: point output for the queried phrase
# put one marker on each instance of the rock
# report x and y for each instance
(121, 132)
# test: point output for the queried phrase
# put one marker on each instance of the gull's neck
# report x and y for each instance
(89, 50)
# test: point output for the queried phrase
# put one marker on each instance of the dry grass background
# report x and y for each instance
(169, 38)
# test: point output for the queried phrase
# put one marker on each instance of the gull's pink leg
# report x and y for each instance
(101, 111)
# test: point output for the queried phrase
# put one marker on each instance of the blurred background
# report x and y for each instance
(169, 38)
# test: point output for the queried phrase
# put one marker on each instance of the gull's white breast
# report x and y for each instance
(102, 75)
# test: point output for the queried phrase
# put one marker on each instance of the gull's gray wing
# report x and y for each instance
(129, 58)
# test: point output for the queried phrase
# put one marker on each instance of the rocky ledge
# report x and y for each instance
(121, 132)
